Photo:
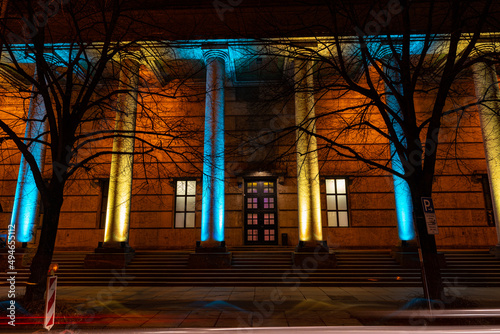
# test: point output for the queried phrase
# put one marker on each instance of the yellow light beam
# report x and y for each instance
(122, 160)
(488, 95)
(308, 188)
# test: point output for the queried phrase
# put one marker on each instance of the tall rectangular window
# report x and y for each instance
(103, 202)
(185, 199)
(488, 203)
(336, 202)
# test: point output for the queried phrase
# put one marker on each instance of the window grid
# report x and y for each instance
(337, 202)
(185, 204)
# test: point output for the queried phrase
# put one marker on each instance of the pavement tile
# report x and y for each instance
(216, 298)
(243, 288)
(305, 322)
(278, 322)
(128, 322)
(204, 314)
(343, 297)
(342, 322)
(319, 298)
(159, 322)
(302, 315)
(241, 296)
(333, 314)
(100, 322)
(309, 288)
(170, 307)
(285, 289)
(293, 297)
(179, 288)
(141, 313)
(218, 293)
(189, 323)
(223, 288)
(233, 323)
(234, 314)
(370, 297)
(275, 315)
(172, 314)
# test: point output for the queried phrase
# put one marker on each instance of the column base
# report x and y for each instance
(22, 259)
(210, 257)
(495, 250)
(406, 254)
(312, 256)
(109, 255)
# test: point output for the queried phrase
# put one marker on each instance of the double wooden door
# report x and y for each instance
(261, 223)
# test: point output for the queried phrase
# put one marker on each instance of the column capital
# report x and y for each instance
(133, 55)
(482, 49)
(210, 52)
(386, 52)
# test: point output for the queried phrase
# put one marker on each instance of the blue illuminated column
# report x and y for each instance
(212, 209)
(402, 193)
(122, 160)
(27, 195)
(488, 95)
(308, 188)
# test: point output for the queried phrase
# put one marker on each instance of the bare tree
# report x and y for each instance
(77, 62)
(390, 54)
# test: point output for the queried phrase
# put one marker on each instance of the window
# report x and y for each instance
(185, 198)
(103, 202)
(336, 202)
(488, 204)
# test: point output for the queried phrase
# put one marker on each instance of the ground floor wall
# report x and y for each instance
(460, 191)
(461, 214)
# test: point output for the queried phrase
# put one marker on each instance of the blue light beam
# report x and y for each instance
(213, 201)
(402, 193)
(27, 195)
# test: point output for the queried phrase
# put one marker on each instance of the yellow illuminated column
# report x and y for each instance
(308, 190)
(488, 95)
(120, 179)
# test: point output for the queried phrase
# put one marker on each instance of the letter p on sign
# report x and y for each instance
(428, 207)
(430, 215)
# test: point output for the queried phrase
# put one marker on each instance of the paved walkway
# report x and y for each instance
(183, 307)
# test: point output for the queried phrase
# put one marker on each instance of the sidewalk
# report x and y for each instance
(237, 307)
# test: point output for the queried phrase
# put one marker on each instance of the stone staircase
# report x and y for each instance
(471, 268)
(271, 266)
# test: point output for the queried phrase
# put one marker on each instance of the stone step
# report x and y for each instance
(266, 267)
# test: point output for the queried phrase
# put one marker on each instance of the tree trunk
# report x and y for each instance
(35, 290)
(431, 272)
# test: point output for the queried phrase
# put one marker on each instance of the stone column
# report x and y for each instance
(308, 188)
(488, 95)
(122, 160)
(402, 193)
(311, 244)
(211, 252)
(115, 252)
(24, 211)
(212, 214)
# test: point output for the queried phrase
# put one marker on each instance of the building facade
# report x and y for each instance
(234, 167)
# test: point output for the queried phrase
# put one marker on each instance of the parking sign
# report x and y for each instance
(430, 215)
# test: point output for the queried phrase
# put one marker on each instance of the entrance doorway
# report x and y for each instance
(261, 223)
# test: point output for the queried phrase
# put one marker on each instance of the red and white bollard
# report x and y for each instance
(50, 298)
